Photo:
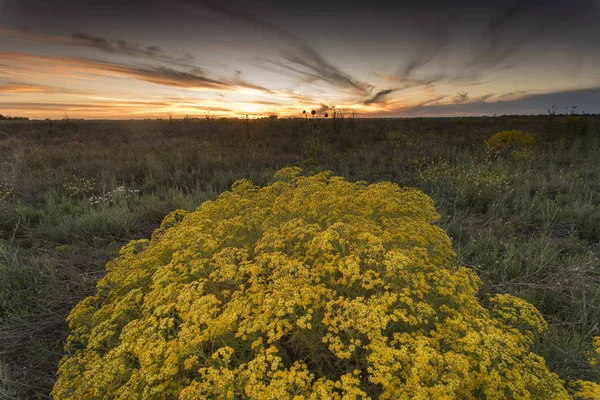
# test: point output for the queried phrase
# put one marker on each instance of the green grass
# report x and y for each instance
(528, 221)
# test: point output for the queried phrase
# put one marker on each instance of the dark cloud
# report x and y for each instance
(584, 100)
(379, 96)
(304, 59)
(434, 37)
(510, 28)
(313, 67)
(487, 36)
(175, 78)
(100, 43)
(166, 76)
(124, 47)
(461, 97)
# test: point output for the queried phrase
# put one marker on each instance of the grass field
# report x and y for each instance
(72, 192)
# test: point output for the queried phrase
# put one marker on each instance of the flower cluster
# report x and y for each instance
(585, 390)
(481, 176)
(6, 191)
(510, 140)
(120, 192)
(78, 186)
(310, 288)
(474, 185)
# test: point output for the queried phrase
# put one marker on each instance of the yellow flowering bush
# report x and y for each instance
(510, 140)
(310, 288)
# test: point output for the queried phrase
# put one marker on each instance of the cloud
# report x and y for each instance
(17, 87)
(87, 105)
(461, 97)
(161, 75)
(313, 67)
(586, 100)
(502, 29)
(124, 47)
(322, 109)
(517, 94)
(379, 96)
(100, 43)
(237, 80)
(434, 37)
(509, 30)
(304, 59)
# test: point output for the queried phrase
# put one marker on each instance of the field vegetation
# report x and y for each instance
(522, 211)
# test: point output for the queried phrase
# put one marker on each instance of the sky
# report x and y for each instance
(140, 59)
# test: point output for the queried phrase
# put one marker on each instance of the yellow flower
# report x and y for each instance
(309, 288)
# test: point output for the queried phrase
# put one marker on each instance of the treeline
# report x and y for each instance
(6, 118)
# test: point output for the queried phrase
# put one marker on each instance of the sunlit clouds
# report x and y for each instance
(199, 58)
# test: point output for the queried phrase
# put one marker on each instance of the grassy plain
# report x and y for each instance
(73, 192)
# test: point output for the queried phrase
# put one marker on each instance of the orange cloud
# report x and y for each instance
(99, 43)
(24, 88)
(238, 97)
(155, 74)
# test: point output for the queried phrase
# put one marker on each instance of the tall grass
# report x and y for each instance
(528, 221)
(6, 388)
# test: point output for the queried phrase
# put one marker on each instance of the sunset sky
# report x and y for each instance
(146, 59)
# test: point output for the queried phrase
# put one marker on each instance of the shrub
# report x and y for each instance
(310, 288)
(514, 139)
(574, 126)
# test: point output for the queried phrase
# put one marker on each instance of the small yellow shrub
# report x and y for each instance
(584, 390)
(310, 288)
(510, 140)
